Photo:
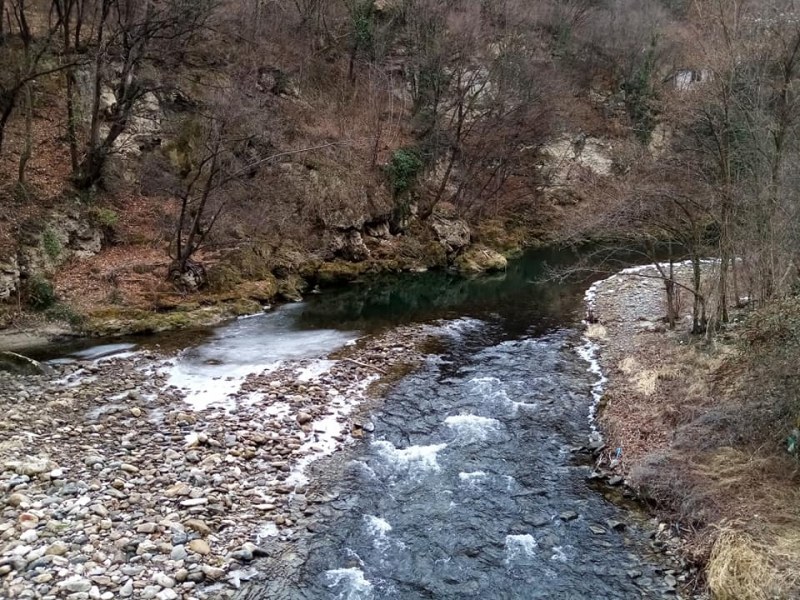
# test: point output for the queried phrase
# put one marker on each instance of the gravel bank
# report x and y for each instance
(112, 486)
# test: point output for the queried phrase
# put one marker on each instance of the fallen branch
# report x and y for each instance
(366, 365)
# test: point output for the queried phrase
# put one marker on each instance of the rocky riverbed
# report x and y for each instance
(113, 486)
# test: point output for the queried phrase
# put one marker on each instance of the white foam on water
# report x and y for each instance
(472, 479)
(355, 585)
(482, 382)
(379, 529)
(364, 468)
(520, 546)
(455, 327)
(472, 427)
(471, 476)
(558, 554)
(421, 457)
(377, 526)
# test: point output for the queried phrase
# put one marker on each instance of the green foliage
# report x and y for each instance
(41, 294)
(403, 169)
(640, 95)
(63, 312)
(363, 24)
(51, 244)
(106, 217)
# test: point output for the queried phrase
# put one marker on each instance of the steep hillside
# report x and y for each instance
(179, 151)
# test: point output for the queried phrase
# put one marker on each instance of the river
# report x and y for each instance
(469, 484)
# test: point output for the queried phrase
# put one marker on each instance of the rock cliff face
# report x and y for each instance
(568, 159)
(9, 277)
(45, 245)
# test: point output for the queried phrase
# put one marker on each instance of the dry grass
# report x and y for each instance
(691, 440)
(742, 567)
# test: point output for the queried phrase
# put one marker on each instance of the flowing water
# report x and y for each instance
(469, 485)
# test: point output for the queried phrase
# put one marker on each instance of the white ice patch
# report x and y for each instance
(352, 581)
(314, 369)
(96, 353)
(420, 457)
(472, 428)
(324, 432)
(212, 372)
(520, 546)
(267, 530)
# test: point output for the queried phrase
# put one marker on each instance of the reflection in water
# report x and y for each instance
(520, 296)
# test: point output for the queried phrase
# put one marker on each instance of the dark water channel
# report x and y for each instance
(469, 488)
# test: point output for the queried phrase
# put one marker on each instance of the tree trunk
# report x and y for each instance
(72, 135)
(697, 318)
(2, 21)
(7, 101)
(670, 289)
(90, 171)
(27, 148)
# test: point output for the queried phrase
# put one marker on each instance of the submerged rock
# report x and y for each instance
(22, 365)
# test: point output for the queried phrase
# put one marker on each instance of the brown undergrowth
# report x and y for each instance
(701, 427)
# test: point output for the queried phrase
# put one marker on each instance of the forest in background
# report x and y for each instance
(157, 156)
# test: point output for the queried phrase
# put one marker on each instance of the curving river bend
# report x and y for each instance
(467, 484)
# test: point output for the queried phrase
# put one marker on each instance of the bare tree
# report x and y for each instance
(27, 59)
(130, 34)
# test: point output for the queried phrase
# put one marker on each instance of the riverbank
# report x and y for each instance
(683, 432)
(117, 484)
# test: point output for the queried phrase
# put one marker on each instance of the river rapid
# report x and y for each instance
(470, 487)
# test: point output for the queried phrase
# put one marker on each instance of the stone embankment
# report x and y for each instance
(112, 486)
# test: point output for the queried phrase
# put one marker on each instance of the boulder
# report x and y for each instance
(452, 233)
(349, 245)
(479, 259)
(22, 365)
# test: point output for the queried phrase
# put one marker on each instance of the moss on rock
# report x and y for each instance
(503, 237)
(339, 271)
(291, 288)
(480, 259)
